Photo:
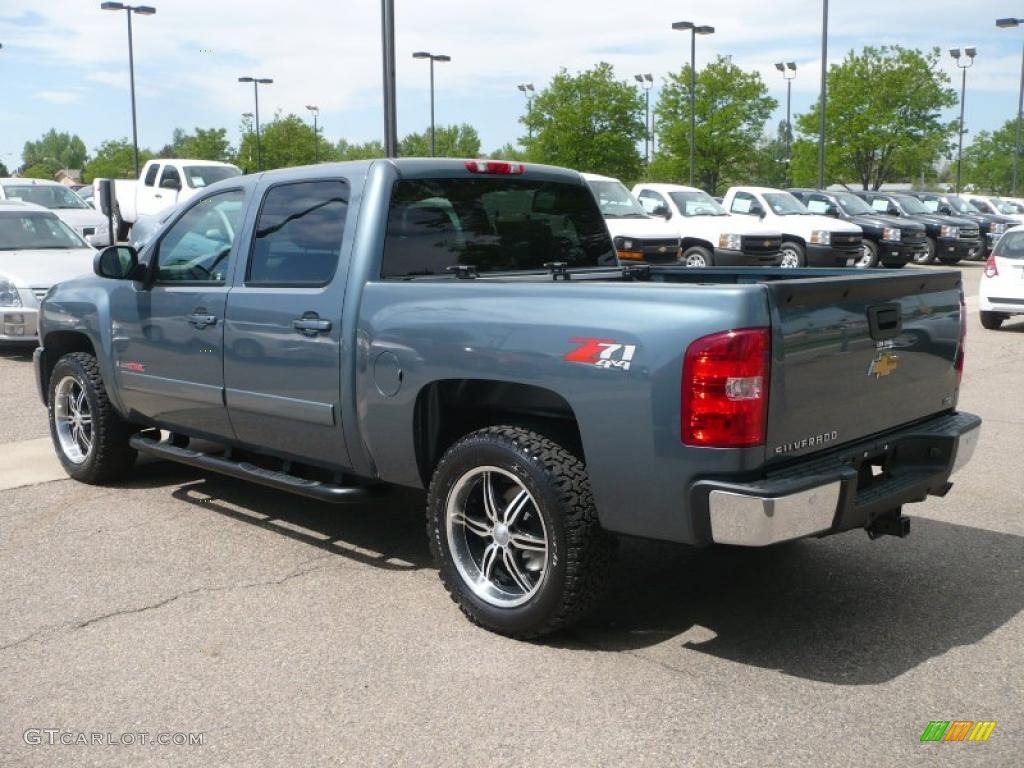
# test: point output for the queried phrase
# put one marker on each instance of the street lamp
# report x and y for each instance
(433, 57)
(256, 83)
(316, 134)
(824, 94)
(142, 10)
(969, 53)
(788, 70)
(1008, 24)
(694, 31)
(646, 82)
(528, 91)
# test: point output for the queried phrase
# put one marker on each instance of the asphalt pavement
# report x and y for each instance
(288, 632)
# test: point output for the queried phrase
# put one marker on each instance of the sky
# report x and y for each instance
(64, 63)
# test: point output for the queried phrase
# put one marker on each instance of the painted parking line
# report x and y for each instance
(29, 462)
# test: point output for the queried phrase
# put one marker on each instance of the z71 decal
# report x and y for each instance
(603, 353)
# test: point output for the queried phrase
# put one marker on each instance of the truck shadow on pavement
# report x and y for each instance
(843, 610)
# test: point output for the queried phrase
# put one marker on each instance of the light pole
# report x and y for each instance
(824, 94)
(788, 70)
(142, 10)
(316, 131)
(969, 53)
(433, 57)
(528, 91)
(1007, 24)
(646, 82)
(694, 31)
(256, 83)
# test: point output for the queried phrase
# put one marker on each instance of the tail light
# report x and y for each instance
(725, 389)
(991, 270)
(496, 167)
(958, 364)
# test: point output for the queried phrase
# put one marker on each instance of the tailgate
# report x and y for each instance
(852, 357)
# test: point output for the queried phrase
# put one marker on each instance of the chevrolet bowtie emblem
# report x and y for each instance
(662, 249)
(768, 243)
(883, 364)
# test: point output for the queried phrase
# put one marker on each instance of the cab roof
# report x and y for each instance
(19, 206)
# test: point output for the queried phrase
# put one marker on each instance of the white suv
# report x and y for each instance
(1001, 292)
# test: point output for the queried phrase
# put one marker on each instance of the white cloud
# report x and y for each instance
(59, 97)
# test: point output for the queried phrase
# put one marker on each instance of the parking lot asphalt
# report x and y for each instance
(294, 633)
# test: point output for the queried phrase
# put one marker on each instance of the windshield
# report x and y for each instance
(962, 206)
(204, 175)
(36, 230)
(852, 205)
(697, 203)
(615, 201)
(1006, 206)
(784, 204)
(910, 204)
(53, 196)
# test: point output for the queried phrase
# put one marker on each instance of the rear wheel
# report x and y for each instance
(697, 256)
(793, 255)
(992, 320)
(514, 532)
(869, 255)
(927, 256)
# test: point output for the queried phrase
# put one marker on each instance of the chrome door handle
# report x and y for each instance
(160, 196)
(310, 324)
(200, 320)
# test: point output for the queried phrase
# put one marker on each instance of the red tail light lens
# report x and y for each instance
(497, 167)
(958, 365)
(991, 270)
(725, 389)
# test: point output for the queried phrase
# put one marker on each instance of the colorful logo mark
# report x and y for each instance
(958, 730)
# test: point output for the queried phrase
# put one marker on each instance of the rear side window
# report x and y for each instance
(1010, 246)
(494, 225)
(151, 174)
(298, 234)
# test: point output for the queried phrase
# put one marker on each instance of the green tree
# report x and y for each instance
(114, 159)
(452, 141)
(285, 141)
(508, 152)
(38, 171)
(3, 170)
(371, 150)
(883, 121)
(769, 167)
(589, 121)
(988, 161)
(203, 144)
(731, 107)
(55, 151)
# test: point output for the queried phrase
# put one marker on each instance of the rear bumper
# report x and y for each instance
(832, 256)
(840, 491)
(729, 258)
(1005, 304)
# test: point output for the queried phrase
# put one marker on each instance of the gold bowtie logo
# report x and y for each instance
(883, 364)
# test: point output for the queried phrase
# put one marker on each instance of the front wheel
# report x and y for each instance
(793, 255)
(992, 321)
(514, 532)
(90, 437)
(927, 256)
(868, 255)
(696, 256)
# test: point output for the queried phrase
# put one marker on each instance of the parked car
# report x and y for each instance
(73, 210)
(162, 184)
(888, 240)
(990, 226)
(949, 238)
(37, 250)
(1001, 291)
(465, 327)
(711, 236)
(87, 194)
(807, 239)
(637, 236)
(994, 205)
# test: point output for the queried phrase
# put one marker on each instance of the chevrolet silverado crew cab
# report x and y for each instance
(637, 236)
(465, 327)
(948, 239)
(807, 239)
(888, 240)
(711, 235)
(991, 226)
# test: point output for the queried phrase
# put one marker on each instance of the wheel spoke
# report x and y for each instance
(80, 402)
(490, 503)
(528, 542)
(515, 507)
(479, 527)
(509, 560)
(85, 419)
(86, 442)
(488, 561)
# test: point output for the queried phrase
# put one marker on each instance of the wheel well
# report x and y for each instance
(690, 242)
(447, 410)
(794, 239)
(60, 343)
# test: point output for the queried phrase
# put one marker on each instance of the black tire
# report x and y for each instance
(928, 257)
(869, 256)
(950, 261)
(894, 264)
(695, 254)
(579, 555)
(992, 321)
(791, 251)
(109, 456)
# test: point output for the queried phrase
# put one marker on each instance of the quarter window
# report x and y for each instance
(151, 174)
(299, 233)
(196, 247)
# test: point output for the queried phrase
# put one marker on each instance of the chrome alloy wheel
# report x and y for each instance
(866, 257)
(496, 536)
(790, 258)
(695, 259)
(73, 419)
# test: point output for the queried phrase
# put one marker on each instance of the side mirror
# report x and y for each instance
(945, 210)
(662, 210)
(170, 183)
(831, 210)
(756, 209)
(117, 262)
(892, 210)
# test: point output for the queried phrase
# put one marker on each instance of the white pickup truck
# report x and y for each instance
(163, 183)
(807, 238)
(637, 236)
(712, 237)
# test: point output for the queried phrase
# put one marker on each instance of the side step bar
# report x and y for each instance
(314, 489)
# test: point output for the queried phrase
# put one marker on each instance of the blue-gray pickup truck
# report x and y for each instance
(465, 327)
